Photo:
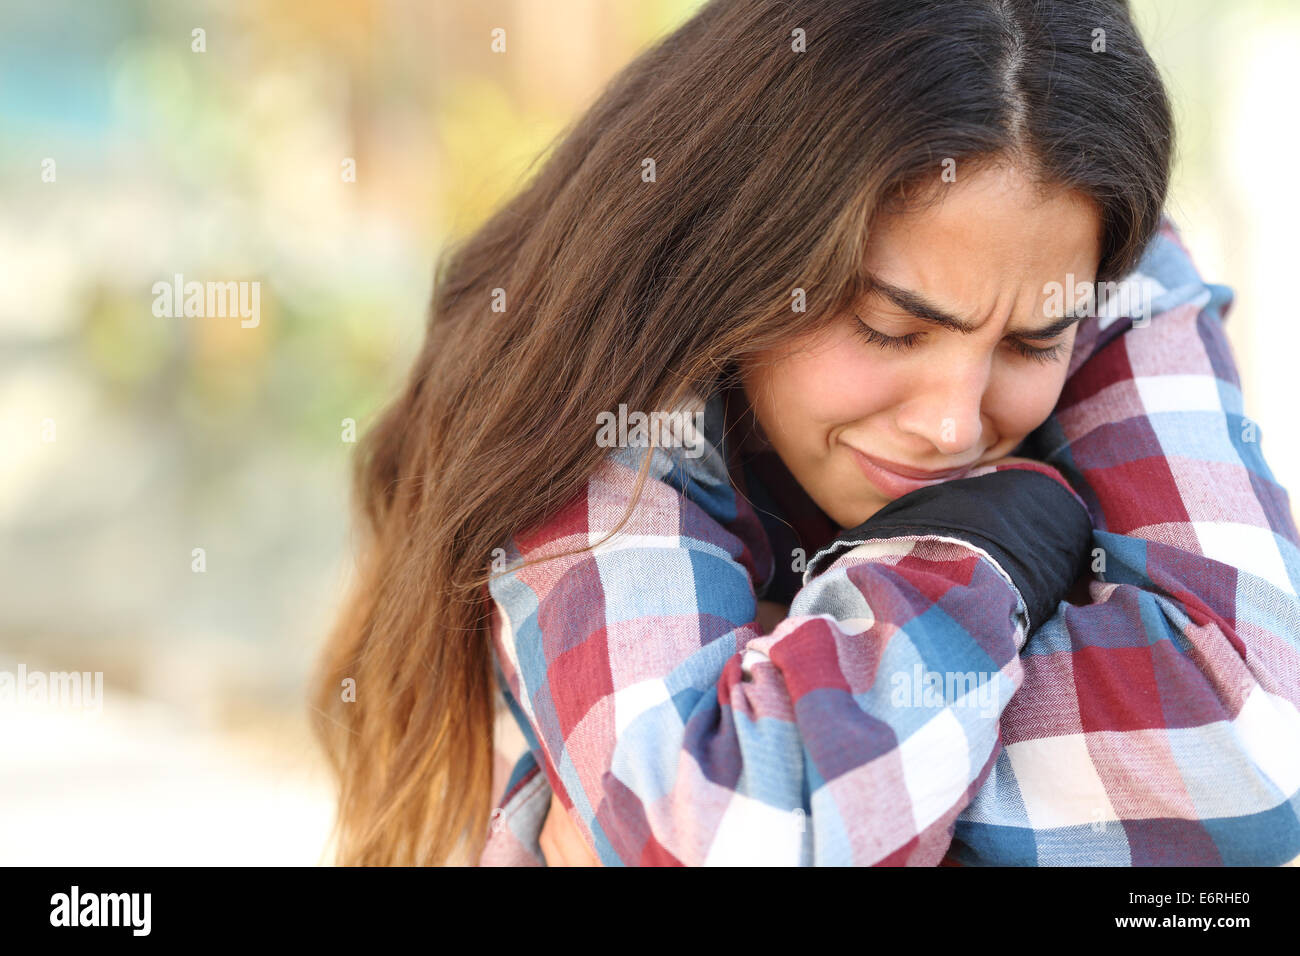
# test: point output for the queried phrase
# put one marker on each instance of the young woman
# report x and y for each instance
(844, 248)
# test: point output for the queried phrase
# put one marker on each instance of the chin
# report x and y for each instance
(853, 516)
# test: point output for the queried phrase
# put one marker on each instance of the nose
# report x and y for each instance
(946, 408)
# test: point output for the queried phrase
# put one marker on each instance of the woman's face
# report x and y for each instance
(887, 400)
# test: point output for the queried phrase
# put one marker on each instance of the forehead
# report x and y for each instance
(990, 230)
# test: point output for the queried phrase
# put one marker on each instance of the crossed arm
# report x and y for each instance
(561, 842)
(1158, 718)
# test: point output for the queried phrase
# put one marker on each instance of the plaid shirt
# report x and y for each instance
(905, 712)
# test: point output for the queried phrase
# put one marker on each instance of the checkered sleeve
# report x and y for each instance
(674, 732)
(1158, 721)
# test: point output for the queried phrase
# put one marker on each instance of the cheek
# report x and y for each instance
(835, 384)
(1024, 397)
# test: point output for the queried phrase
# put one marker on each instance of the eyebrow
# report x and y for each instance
(917, 305)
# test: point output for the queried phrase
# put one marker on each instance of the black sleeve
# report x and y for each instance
(1035, 530)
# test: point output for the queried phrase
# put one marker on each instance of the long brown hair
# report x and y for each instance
(740, 158)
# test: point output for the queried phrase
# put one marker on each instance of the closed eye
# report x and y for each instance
(1051, 353)
(1023, 349)
(900, 342)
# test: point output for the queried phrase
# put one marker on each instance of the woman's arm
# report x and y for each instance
(853, 733)
(1158, 721)
(560, 840)
(770, 614)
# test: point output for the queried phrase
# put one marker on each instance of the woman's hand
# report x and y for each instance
(769, 615)
(562, 844)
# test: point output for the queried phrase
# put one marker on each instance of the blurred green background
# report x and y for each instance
(129, 440)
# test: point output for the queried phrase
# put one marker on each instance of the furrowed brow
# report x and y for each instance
(917, 305)
(1056, 328)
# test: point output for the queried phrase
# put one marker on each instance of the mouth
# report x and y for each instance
(896, 480)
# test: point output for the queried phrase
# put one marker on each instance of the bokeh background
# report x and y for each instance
(129, 440)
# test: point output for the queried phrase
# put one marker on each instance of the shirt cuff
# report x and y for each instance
(1030, 524)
